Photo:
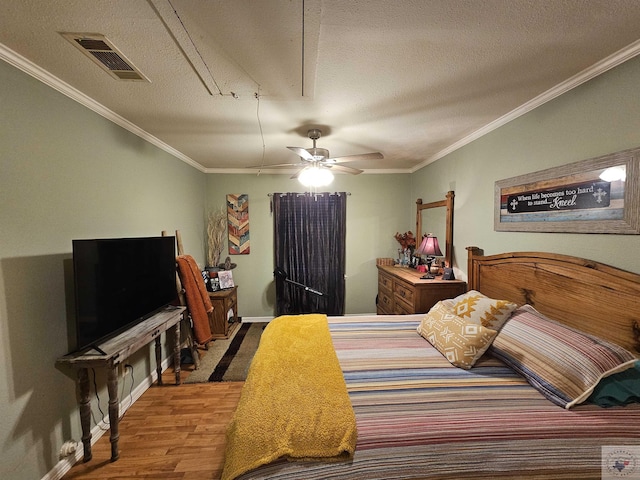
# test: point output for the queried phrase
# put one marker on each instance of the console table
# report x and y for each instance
(117, 350)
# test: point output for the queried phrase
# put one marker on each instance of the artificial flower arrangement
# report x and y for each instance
(406, 240)
(408, 244)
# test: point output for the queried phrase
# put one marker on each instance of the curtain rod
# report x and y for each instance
(309, 193)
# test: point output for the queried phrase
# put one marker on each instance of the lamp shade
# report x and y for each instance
(429, 247)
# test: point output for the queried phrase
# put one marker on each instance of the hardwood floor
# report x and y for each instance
(171, 432)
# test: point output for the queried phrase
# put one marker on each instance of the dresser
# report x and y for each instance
(401, 291)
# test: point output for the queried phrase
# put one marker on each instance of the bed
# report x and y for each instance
(420, 417)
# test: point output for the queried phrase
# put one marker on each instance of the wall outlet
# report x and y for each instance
(68, 448)
(124, 369)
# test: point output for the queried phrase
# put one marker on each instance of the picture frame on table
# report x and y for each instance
(225, 277)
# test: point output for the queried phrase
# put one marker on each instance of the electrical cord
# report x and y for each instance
(95, 390)
(130, 367)
(213, 79)
(257, 95)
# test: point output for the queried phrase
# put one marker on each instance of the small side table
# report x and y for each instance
(224, 300)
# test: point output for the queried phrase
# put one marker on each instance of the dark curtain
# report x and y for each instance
(309, 246)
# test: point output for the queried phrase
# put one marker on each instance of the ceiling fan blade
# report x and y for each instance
(302, 153)
(361, 156)
(276, 165)
(345, 169)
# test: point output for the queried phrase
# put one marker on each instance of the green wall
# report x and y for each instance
(65, 173)
(68, 173)
(375, 212)
(597, 118)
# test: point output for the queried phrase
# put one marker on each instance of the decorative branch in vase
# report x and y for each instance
(216, 236)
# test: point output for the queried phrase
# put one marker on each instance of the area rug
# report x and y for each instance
(229, 360)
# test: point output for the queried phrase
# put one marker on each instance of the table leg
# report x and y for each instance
(114, 410)
(188, 332)
(84, 403)
(176, 352)
(159, 360)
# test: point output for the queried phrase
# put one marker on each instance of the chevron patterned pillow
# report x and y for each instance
(475, 307)
(461, 342)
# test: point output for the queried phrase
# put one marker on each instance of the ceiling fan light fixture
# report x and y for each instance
(315, 176)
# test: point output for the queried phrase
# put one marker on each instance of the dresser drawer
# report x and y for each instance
(385, 282)
(404, 293)
(401, 308)
(385, 301)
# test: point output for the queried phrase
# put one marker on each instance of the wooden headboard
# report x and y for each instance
(593, 297)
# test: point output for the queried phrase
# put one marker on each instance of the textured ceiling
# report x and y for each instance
(233, 82)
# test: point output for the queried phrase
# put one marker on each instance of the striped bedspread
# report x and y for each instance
(418, 417)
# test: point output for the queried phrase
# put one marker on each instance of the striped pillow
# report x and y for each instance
(562, 363)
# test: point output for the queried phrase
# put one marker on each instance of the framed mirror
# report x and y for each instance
(435, 216)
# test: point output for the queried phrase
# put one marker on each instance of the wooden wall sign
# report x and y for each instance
(576, 198)
(238, 223)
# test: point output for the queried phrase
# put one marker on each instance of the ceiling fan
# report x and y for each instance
(316, 162)
(321, 155)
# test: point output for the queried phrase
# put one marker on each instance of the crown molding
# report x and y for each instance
(291, 171)
(619, 57)
(37, 72)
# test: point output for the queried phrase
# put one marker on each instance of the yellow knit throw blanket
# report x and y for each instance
(294, 403)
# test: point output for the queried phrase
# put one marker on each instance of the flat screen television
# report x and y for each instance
(120, 282)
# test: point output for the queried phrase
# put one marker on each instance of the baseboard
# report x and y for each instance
(65, 464)
(62, 467)
(256, 319)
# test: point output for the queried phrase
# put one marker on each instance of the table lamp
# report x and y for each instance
(431, 249)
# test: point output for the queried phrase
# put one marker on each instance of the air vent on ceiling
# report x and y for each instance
(106, 55)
